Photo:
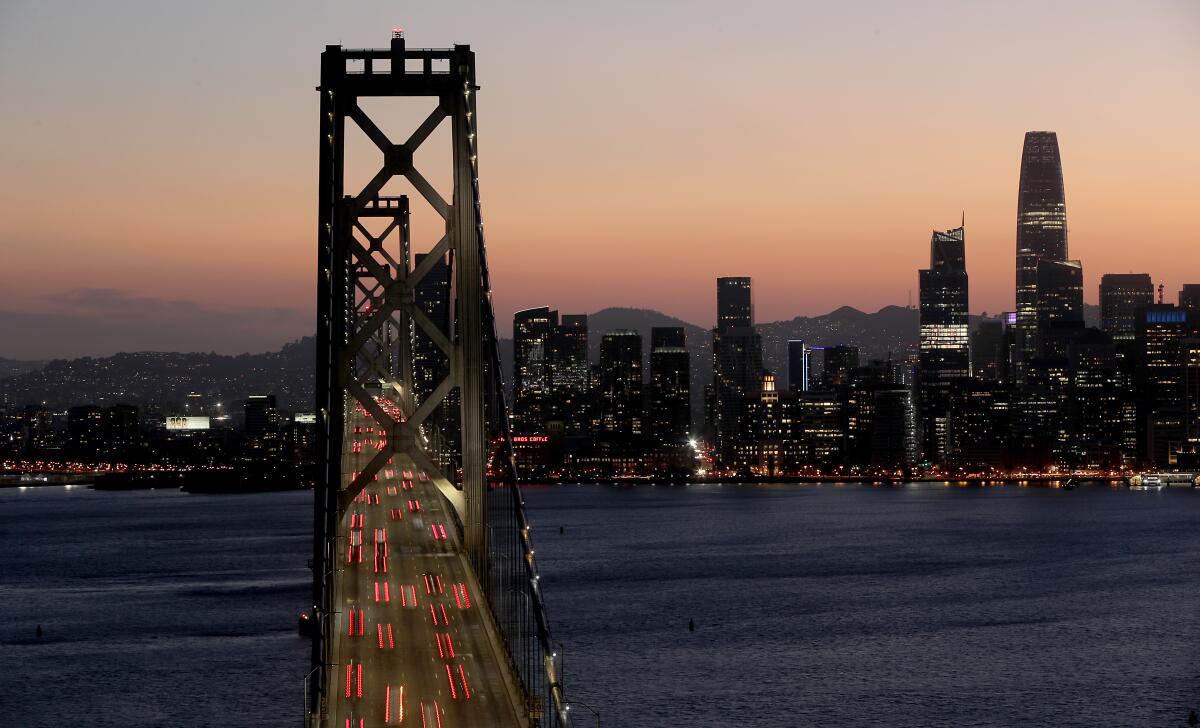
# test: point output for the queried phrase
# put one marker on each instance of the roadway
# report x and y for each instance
(412, 640)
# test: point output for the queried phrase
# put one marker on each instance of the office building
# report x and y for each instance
(1122, 297)
(432, 295)
(1162, 330)
(799, 361)
(737, 360)
(944, 361)
(989, 353)
(839, 364)
(570, 374)
(735, 305)
(670, 408)
(621, 404)
(262, 424)
(1041, 231)
(532, 329)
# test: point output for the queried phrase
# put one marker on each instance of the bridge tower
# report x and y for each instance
(430, 383)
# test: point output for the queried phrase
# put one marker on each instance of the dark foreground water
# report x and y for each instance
(814, 605)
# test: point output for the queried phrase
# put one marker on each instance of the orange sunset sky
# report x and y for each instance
(158, 163)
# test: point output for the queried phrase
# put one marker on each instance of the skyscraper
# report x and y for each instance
(621, 403)
(262, 422)
(1041, 231)
(1122, 295)
(432, 295)
(1162, 329)
(735, 306)
(570, 373)
(1060, 295)
(531, 369)
(989, 353)
(798, 366)
(430, 365)
(670, 412)
(945, 356)
(737, 359)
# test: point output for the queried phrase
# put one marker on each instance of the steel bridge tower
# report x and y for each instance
(430, 384)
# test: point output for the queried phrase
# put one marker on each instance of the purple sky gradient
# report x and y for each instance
(158, 162)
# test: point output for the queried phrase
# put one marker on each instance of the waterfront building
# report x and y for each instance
(85, 430)
(1096, 417)
(621, 404)
(737, 360)
(979, 431)
(819, 427)
(1162, 329)
(262, 424)
(1191, 394)
(670, 408)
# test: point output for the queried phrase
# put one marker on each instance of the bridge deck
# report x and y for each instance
(413, 642)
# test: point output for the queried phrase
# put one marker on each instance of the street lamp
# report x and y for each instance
(585, 705)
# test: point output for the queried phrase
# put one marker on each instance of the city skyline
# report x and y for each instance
(174, 248)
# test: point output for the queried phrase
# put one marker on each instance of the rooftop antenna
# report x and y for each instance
(963, 224)
(910, 298)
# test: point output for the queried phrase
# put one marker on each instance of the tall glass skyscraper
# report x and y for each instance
(621, 404)
(945, 355)
(737, 360)
(1041, 231)
(570, 373)
(670, 411)
(532, 329)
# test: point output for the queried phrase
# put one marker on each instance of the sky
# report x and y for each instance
(158, 161)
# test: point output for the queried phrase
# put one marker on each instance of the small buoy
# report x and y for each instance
(1193, 719)
(560, 530)
(39, 630)
(691, 625)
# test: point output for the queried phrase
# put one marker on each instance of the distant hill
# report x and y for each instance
(165, 378)
(9, 367)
